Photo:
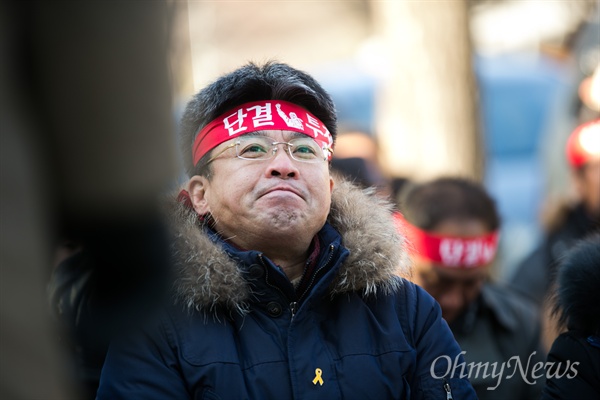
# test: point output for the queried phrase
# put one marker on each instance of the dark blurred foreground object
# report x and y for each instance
(577, 304)
(87, 144)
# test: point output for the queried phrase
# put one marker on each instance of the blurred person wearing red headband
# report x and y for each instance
(574, 218)
(452, 226)
(286, 283)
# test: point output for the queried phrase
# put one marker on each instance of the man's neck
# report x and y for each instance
(293, 269)
(290, 257)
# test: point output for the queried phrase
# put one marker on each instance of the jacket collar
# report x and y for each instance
(495, 302)
(207, 277)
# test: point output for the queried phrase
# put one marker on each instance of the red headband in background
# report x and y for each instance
(451, 252)
(258, 116)
(583, 144)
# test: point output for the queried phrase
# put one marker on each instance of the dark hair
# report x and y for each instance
(425, 205)
(252, 82)
(577, 295)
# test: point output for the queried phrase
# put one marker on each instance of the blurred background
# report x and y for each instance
(482, 88)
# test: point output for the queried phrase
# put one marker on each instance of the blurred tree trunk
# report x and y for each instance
(427, 116)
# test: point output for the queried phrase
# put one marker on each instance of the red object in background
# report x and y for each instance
(583, 144)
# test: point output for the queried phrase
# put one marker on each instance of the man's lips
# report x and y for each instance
(282, 189)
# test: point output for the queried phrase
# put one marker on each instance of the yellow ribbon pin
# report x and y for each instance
(318, 378)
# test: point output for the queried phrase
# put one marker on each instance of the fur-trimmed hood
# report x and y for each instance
(207, 277)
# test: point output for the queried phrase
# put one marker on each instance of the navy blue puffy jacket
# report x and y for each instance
(240, 331)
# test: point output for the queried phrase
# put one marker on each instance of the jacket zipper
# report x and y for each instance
(293, 308)
(312, 279)
(448, 390)
(294, 304)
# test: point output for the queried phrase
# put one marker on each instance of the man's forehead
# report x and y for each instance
(442, 271)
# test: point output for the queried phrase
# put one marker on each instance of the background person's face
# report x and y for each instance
(278, 200)
(587, 182)
(453, 288)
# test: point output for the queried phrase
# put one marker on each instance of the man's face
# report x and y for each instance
(278, 200)
(453, 288)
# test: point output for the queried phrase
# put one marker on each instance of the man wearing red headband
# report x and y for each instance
(569, 220)
(452, 229)
(286, 285)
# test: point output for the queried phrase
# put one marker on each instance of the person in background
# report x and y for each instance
(452, 226)
(286, 284)
(357, 159)
(567, 222)
(355, 170)
(575, 354)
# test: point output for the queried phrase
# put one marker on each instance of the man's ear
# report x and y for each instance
(331, 185)
(197, 188)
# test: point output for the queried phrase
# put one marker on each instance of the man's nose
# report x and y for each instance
(282, 163)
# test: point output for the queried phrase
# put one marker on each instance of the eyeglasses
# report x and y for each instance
(258, 148)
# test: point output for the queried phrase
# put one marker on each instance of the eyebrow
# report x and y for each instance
(287, 135)
(294, 135)
(255, 133)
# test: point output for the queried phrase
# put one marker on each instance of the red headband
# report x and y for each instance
(258, 116)
(583, 144)
(451, 252)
